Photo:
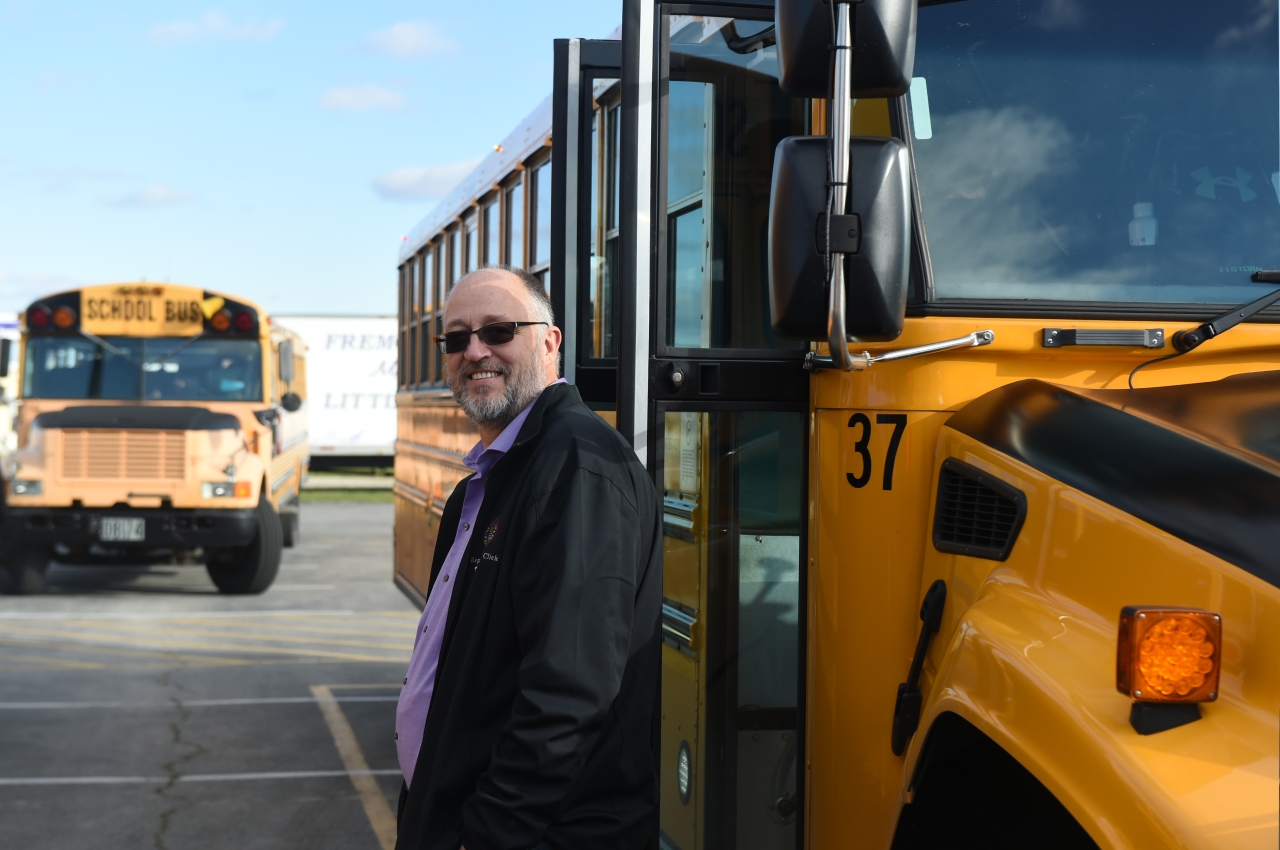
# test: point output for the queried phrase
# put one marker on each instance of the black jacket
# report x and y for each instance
(543, 724)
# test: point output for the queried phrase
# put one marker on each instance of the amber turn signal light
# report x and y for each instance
(221, 320)
(64, 317)
(243, 490)
(1169, 655)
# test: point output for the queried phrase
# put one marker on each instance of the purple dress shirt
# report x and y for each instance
(415, 696)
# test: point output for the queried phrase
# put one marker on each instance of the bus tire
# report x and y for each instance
(291, 524)
(252, 568)
(23, 573)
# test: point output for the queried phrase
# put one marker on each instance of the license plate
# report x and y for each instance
(122, 529)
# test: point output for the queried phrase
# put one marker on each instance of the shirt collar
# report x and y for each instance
(481, 459)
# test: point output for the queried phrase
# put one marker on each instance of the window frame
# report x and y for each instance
(534, 165)
(509, 216)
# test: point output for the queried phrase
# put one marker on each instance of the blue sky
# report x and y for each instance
(277, 151)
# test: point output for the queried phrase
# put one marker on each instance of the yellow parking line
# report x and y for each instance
(200, 646)
(59, 663)
(89, 649)
(371, 797)
(391, 631)
(117, 627)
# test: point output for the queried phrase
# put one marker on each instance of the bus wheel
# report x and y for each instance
(23, 573)
(252, 568)
(291, 521)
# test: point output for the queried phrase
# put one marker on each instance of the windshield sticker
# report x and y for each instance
(1240, 182)
(920, 118)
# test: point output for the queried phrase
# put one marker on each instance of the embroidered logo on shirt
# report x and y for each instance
(491, 532)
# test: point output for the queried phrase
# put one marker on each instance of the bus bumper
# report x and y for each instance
(164, 528)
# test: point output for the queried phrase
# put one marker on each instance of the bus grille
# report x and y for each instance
(135, 455)
(977, 514)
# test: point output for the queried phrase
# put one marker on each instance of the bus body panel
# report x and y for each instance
(1027, 647)
(1027, 653)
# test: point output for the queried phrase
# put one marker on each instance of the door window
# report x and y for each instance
(724, 116)
(732, 526)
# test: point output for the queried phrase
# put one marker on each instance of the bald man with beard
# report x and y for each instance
(528, 717)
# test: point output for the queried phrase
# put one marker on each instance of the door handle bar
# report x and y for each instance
(859, 362)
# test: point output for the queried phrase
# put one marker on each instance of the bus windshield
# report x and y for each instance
(129, 368)
(1089, 150)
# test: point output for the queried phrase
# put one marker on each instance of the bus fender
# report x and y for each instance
(1039, 681)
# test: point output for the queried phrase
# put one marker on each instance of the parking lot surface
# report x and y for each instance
(139, 708)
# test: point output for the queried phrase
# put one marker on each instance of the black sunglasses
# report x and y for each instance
(499, 333)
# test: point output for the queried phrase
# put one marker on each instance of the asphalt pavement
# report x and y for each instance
(139, 708)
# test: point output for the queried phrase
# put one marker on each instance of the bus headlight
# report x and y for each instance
(26, 488)
(226, 490)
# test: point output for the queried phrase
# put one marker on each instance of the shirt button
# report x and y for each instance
(446, 578)
(406, 680)
(424, 631)
(397, 736)
(466, 526)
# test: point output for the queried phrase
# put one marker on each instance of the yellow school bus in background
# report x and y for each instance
(156, 422)
(969, 451)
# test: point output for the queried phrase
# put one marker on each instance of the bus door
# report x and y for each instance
(585, 206)
(717, 407)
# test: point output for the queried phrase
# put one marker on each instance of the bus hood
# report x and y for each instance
(1199, 461)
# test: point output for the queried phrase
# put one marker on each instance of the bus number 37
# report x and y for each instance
(860, 421)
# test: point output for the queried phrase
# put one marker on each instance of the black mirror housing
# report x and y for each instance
(291, 402)
(286, 361)
(884, 47)
(877, 224)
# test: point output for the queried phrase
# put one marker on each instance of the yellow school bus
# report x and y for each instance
(966, 437)
(156, 422)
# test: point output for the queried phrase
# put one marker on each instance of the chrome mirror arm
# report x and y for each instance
(859, 362)
(841, 127)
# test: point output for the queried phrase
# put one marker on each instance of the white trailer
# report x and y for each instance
(9, 334)
(351, 384)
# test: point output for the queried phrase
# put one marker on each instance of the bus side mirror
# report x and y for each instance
(884, 47)
(6, 351)
(286, 362)
(291, 402)
(872, 233)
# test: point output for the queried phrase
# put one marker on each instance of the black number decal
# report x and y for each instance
(861, 448)
(899, 423)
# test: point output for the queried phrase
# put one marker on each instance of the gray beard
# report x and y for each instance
(524, 383)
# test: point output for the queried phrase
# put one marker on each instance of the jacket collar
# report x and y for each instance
(554, 398)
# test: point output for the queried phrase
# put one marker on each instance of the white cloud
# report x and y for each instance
(1264, 19)
(213, 26)
(361, 98)
(991, 225)
(1061, 15)
(154, 195)
(412, 40)
(422, 183)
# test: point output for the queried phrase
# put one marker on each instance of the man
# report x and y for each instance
(528, 718)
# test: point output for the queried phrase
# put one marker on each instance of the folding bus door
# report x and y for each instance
(585, 211)
(717, 407)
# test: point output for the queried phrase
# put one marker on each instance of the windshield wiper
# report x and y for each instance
(176, 350)
(1185, 341)
(92, 337)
